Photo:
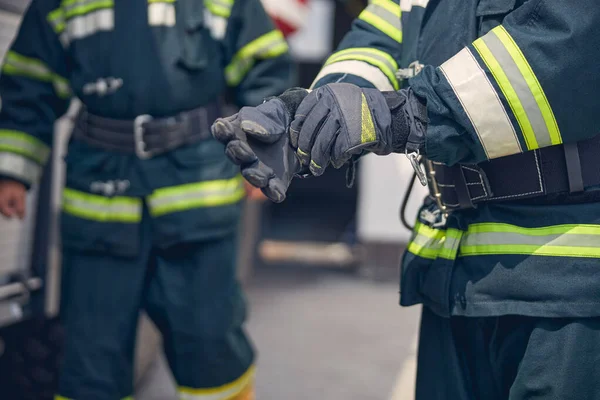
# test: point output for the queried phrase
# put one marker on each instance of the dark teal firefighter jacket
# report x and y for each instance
(500, 77)
(123, 59)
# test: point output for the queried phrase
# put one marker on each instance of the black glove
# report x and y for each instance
(257, 139)
(339, 121)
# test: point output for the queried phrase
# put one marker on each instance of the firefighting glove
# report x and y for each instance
(338, 122)
(257, 139)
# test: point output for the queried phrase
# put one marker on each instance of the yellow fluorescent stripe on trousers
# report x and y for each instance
(58, 397)
(367, 134)
(24, 144)
(377, 58)
(270, 45)
(196, 195)
(554, 241)
(102, 209)
(482, 105)
(385, 16)
(225, 392)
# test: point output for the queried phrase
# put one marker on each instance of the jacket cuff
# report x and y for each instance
(19, 168)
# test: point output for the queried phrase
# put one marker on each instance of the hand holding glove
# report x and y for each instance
(300, 131)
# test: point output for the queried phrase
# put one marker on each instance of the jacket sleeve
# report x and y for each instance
(258, 61)
(368, 55)
(529, 83)
(34, 92)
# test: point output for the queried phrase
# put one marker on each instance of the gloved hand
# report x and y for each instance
(339, 121)
(257, 139)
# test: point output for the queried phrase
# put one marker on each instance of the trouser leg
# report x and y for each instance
(197, 302)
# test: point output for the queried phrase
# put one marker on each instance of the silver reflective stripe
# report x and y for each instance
(216, 24)
(33, 148)
(508, 238)
(86, 25)
(19, 167)
(482, 105)
(407, 5)
(385, 14)
(161, 14)
(366, 54)
(108, 208)
(361, 69)
(533, 120)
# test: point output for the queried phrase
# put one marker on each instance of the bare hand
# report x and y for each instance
(12, 199)
(254, 193)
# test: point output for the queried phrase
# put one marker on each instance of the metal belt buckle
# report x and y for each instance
(434, 189)
(138, 136)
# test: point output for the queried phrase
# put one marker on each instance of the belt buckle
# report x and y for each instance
(138, 136)
(434, 189)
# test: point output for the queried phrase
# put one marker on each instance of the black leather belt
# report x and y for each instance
(562, 169)
(146, 136)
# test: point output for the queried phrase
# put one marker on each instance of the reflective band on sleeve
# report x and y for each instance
(161, 13)
(552, 241)
(270, 45)
(225, 392)
(221, 8)
(78, 19)
(407, 5)
(482, 105)
(19, 167)
(16, 64)
(361, 69)
(380, 59)
(100, 208)
(520, 87)
(433, 243)
(385, 16)
(24, 144)
(196, 195)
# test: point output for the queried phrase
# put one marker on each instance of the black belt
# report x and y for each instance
(146, 136)
(562, 169)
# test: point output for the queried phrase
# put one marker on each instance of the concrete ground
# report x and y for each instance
(326, 335)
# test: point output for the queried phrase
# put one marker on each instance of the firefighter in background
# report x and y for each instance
(151, 203)
(502, 101)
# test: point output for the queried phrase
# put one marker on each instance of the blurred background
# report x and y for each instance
(321, 269)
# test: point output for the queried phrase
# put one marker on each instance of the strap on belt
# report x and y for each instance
(562, 169)
(146, 136)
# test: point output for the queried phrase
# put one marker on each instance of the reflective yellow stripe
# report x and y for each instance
(433, 243)
(553, 241)
(375, 57)
(520, 87)
(18, 65)
(24, 144)
(367, 134)
(267, 46)
(385, 16)
(87, 8)
(196, 195)
(226, 392)
(532, 82)
(102, 209)
(220, 8)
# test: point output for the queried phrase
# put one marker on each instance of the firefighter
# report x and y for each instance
(151, 203)
(499, 96)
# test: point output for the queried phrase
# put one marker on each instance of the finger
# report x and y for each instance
(19, 205)
(239, 152)
(224, 129)
(310, 129)
(305, 107)
(275, 190)
(267, 122)
(258, 174)
(7, 209)
(320, 155)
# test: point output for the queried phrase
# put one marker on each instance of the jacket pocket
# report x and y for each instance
(491, 13)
